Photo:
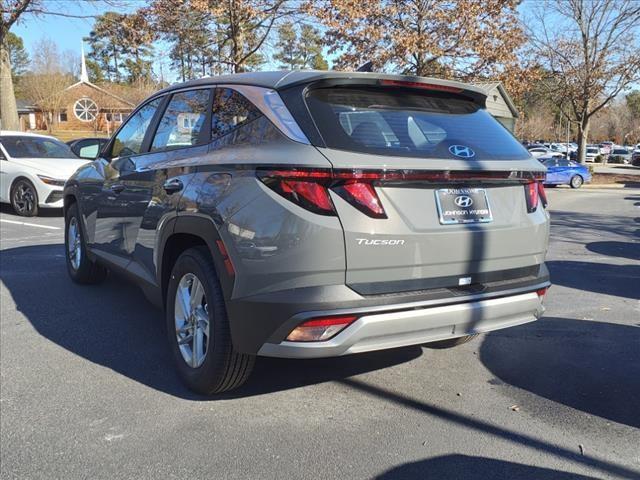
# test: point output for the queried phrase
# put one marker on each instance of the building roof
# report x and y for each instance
(488, 87)
(285, 78)
(25, 106)
(100, 89)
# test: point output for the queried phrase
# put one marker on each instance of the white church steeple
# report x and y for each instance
(83, 66)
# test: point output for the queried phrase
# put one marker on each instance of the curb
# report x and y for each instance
(613, 186)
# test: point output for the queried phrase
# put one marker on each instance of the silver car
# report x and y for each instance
(313, 214)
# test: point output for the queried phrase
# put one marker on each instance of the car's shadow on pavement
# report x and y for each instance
(605, 278)
(590, 366)
(113, 325)
(466, 467)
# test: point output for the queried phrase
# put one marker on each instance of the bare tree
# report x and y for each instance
(45, 86)
(237, 29)
(465, 39)
(11, 12)
(590, 49)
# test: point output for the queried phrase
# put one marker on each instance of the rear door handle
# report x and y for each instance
(117, 188)
(172, 186)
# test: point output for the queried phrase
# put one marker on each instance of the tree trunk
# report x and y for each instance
(8, 110)
(583, 133)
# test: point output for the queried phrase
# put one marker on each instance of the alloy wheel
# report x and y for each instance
(74, 243)
(24, 198)
(191, 315)
(576, 181)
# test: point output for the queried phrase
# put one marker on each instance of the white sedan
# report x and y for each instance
(33, 170)
(538, 152)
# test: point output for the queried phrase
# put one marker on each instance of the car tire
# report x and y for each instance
(24, 198)
(576, 181)
(198, 327)
(81, 268)
(451, 342)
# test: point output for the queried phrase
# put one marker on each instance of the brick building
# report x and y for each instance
(86, 107)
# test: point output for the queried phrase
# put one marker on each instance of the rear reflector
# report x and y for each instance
(542, 292)
(228, 266)
(320, 329)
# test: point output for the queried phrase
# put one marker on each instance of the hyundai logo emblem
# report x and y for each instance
(463, 201)
(461, 151)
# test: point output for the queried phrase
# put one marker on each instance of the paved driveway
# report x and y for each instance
(87, 389)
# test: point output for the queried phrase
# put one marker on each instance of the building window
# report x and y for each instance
(62, 116)
(114, 117)
(85, 110)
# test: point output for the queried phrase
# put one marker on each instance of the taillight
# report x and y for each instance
(531, 194)
(305, 188)
(320, 329)
(309, 187)
(363, 196)
(542, 194)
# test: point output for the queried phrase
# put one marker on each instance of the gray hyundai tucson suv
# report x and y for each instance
(313, 214)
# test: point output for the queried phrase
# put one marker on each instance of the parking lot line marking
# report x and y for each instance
(29, 224)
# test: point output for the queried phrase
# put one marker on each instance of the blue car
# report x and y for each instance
(561, 171)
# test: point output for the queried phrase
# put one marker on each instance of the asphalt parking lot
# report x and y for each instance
(87, 387)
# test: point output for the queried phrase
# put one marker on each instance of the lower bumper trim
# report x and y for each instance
(378, 331)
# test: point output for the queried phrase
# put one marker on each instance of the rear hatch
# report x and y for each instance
(430, 189)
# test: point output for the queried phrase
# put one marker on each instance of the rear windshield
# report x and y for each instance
(409, 123)
(27, 147)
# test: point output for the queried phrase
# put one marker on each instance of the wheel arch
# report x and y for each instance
(188, 232)
(17, 178)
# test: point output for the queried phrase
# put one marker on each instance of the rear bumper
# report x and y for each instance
(261, 323)
(379, 331)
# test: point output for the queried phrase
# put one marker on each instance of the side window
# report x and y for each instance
(230, 110)
(563, 163)
(88, 149)
(182, 122)
(129, 139)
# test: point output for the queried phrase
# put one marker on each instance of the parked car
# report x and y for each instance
(592, 152)
(388, 211)
(544, 152)
(563, 147)
(88, 148)
(606, 147)
(33, 169)
(620, 155)
(635, 157)
(561, 171)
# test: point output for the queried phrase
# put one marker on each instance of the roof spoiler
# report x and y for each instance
(331, 79)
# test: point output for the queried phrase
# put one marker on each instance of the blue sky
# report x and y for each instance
(66, 32)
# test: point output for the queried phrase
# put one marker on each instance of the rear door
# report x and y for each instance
(565, 170)
(432, 190)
